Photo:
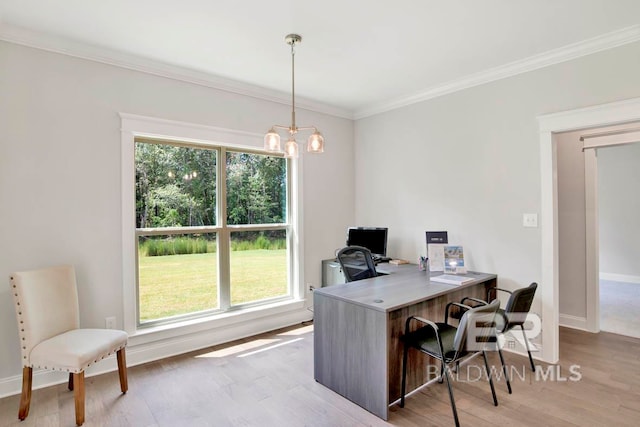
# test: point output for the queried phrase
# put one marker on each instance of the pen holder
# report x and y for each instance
(423, 264)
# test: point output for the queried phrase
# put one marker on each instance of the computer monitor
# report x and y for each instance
(372, 238)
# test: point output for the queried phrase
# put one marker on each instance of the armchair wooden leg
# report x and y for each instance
(70, 384)
(25, 399)
(78, 394)
(122, 370)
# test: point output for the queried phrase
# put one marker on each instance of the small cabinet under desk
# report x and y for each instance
(332, 272)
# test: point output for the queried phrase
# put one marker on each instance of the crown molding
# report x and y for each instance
(625, 111)
(17, 35)
(555, 56)
(65, 46)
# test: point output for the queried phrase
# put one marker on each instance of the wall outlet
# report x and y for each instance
(530, 220)
(110, 322)
(310, 287)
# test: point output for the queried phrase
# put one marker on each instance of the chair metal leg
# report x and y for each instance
(25, 398)
(122, 370)
(404, 374)
(526, 343)
(504, 369)
(78, 395)
(453, 402)
(493, 390)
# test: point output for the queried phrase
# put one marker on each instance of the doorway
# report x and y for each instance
(550, 124)
(619, 231)
(587, 158)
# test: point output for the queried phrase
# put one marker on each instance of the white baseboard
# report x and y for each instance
(573, 322)
(626, 278)
(150, 351)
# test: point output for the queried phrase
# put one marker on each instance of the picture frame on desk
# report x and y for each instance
(454, 260)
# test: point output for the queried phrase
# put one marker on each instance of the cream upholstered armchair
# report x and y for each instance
(46, 303)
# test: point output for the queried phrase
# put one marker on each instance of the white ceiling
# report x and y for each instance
(357, 57)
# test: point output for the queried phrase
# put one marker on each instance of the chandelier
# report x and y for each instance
(315, 143)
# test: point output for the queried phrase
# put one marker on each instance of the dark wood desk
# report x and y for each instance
(357, 329)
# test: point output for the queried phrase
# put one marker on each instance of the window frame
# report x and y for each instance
(139, 128)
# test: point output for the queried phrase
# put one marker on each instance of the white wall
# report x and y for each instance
(619, 210)
(469, 162)
(60, 171)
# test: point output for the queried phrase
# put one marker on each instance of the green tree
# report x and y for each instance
(175, 181)
(176, 186)
(256, 189)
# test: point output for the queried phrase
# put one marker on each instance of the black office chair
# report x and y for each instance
(514, 314)
(449, 344)
(356, 263)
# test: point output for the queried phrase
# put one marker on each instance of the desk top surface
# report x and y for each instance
(403, 285)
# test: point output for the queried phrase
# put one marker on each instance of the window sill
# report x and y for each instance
(209, 323)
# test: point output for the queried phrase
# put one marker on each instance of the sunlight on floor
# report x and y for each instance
(270, 347)
(228, 351)
(298, 331)
(256, 344)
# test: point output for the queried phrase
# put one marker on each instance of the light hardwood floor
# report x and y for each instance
(268, 381)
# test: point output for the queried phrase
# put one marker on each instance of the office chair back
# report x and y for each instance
(479, 323)
(519, 303)
(356, 263)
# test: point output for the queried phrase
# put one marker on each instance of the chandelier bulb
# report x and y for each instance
(315, 144)
(291, 149)
(272, 141)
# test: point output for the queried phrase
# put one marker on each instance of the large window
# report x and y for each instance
(212, 228)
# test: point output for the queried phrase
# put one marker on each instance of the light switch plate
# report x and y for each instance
(530, 220)
(110, 322)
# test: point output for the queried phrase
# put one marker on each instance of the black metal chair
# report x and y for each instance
(356, 263)
(514, 314)
(449, 344)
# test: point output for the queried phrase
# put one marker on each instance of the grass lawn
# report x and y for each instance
(179, 284)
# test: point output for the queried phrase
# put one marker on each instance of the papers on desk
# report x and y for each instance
(451, 279)
(436, 241)
(435, 255)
